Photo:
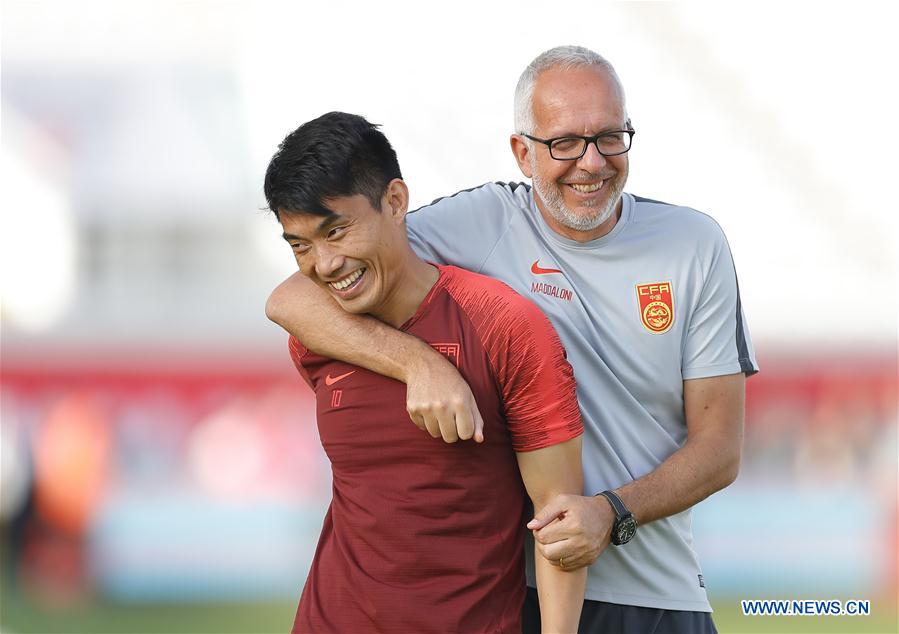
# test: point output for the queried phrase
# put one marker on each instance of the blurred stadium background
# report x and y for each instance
(160, 466)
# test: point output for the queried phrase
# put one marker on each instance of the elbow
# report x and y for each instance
(281, 303)
(729, 471)
(288, 303)
(722, 471)
(274, 309)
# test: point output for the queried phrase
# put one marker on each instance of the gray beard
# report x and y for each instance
(551, 196)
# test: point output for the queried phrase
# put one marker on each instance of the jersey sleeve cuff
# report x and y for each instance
(746, 366)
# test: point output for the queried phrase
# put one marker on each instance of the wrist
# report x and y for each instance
(624, 526)
(418, 361)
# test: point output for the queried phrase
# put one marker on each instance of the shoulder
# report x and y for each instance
(494, 196)
(511, 192)
(465, 227)
(492, 305)
(467, 287)
(680, 223)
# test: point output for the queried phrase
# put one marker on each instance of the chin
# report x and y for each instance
(583, 219)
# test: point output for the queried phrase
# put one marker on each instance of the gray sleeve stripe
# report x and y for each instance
(513, 186)
(650, 201)
(746, 365)
(742, 349)
(510, 186)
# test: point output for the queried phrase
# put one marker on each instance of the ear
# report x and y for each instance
(521, 150)
(396, 200)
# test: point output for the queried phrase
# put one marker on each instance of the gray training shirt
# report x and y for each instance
(653, 302)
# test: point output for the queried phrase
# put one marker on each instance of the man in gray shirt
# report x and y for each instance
(644, 296)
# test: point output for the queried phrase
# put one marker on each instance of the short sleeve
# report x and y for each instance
(297, 352)
(463, 229)
(717, 340)
(536, 380)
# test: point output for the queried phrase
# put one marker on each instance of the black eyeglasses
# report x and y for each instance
(571, 148)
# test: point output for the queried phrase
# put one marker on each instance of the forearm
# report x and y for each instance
(437, 397)
(547, 474)
(561, 595)
(578, 528)
(308, 313)
(691, 474)
(709, 459)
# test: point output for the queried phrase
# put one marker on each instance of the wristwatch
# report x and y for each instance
(625, 526)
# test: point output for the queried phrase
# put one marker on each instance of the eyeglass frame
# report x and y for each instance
(589, 139)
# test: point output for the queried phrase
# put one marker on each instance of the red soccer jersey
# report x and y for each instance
(421, 535)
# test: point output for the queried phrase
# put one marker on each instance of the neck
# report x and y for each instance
(413, 281)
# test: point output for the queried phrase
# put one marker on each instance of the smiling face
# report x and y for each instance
(579, 199)
(357, 254)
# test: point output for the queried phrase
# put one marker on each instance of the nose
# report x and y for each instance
(592, 161)
(327, 260)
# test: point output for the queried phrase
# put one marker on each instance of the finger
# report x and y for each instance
(548, 513)
(575, 563)
(464, 423)
(447, 423)
(432, 425)
(418, 420)
(560, 553)
(563, 526)
(554, 553)
(577, 553)
(551, 534)
(580, 558)
(478, 424)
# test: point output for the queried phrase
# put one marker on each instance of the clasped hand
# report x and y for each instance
(572, 531)
(440, 402)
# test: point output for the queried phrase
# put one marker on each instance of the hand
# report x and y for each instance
(573, 527)
(439, 400)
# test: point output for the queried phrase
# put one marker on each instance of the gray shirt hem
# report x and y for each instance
(659, 603)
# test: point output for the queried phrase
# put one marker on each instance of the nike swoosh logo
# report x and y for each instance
(329, 380)
(536, 270)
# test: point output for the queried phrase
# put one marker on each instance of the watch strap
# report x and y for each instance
(621, 511)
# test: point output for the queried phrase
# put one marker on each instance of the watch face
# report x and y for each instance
(626, 529)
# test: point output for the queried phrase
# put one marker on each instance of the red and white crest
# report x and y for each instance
(656, 306)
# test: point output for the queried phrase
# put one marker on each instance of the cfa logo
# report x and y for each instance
(656, 306)
(452, 351)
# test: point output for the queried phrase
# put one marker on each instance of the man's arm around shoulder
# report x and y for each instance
(437, 397)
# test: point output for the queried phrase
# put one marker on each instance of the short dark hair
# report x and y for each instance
(335, 155)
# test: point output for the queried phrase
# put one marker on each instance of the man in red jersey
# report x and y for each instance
(421, 536)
